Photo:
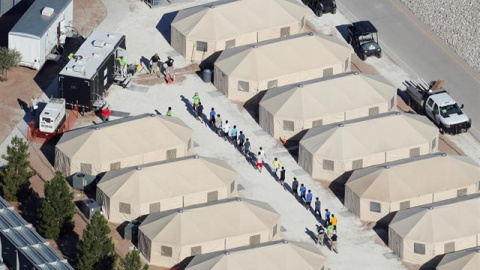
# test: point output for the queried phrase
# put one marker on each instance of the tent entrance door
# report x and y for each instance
(223, 83)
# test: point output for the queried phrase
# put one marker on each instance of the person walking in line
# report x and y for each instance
(212, 117)
(219, 123)
(303, 191)
(196, 101)
(226, 130)
(320, 234)
(295, 187)
(263, 153)
(330, 231)
(333, 220)
(33, 106)
(234, 135)
(154, 63)
(333, 242)
(241, 141)
(200, 112)
(282, 176)
(246, 150)
(308, 201)
(276, 166)
(259, 162)
(169, 111)
(327, 217)
(318, 208)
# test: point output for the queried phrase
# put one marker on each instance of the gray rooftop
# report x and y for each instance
(94, 50)
(27, 241)
(33, 23)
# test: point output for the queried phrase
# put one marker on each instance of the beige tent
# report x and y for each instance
(374, 192)
(126, 194)
(242, 72)
(200, 31)
(278, 255)
(122, 143)
(327, 152)
(468, 259)
(286, 111)
(166, 238)
(419, 234)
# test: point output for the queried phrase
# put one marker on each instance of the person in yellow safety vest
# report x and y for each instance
(71, 56)
(123, 65)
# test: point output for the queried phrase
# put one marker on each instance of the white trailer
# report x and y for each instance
(53, 115)
(36, 34)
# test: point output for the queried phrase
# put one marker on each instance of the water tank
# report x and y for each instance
(207, 76)
(83, 181)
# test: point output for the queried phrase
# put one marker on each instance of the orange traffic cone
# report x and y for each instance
(169, 81)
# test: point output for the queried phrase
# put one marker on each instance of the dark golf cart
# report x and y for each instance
(319, 7)
(363, 36)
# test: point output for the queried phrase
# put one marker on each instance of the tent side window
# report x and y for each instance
(189, 145)
(125, 208)
(232, 186)
(202, 46)
(285, 31)
(328, 165)
(404, 205)
(346, 63)
(328, 72)
(461, 192)
(373, 111)
(317, 123)
(434, 143)
(274, 230)
(114, 166)
(255, 239)
(166, 251)
(154, 207)
(230, 44)
(392, 102)
(449, 247)
(171, 154)
(212, 196)
(272, 84)
(243, 86)
(86, 168)
(288, 125)
(419, 248)
(196, 250)
(375, 207)
(415, 152)
(357, 164)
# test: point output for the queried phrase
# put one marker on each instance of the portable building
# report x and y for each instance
(277, 255)
(240, 73)
(129, 193)
(166, 238)
(468, 259)
(288, 110)
(122, 143)
(417, 235)
(200, 31)
(90, 73)
(36, 34)
(329, 151)
(372, 193)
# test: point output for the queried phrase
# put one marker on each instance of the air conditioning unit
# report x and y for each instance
(89, 208)
(99, 43)
(79, 68)
(82, 181)
(47, 11)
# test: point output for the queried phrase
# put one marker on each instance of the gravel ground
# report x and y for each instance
(455, 21)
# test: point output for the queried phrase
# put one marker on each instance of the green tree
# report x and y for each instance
(8, 59)
(57, 208)
(96, 249)
(132, 262)
(16, 174)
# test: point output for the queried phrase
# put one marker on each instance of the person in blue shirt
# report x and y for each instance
(327, 217)
(212, 117)
(308, 202)
(233, 134)
(303, 190)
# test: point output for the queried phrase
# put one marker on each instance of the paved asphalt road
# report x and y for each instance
(418, 51)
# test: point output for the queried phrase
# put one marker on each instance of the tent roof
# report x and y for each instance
(208, 222)
(167, 179)
(125, 137)
(228, 19)
(401, 180)
(433, 222)
(33, 23)
(276, 255)
(368, 135)
(326, 96)
(282, 56)
(468, 259)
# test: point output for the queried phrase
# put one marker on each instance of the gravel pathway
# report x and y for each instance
(457, 22)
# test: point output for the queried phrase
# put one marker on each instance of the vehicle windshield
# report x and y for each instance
(450, 109)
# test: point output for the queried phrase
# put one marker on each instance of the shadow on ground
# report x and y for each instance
(10, 18)
(164, 25)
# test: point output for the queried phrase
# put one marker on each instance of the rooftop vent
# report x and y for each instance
(310, 34)
(285, 241)
(138, 168)
(47, 11)
(227, 253)
(97, 128)
(398, 113)
(387, 167)
(196, 157)
(96, 54)
(79, 68)
(341, 125)
(212, 6)
(356, 73)
(255, 46)
(300, 85)
(99, 43)
(430, 208)
(110, 35)
(444, 154)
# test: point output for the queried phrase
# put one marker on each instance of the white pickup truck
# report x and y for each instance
(436, 102)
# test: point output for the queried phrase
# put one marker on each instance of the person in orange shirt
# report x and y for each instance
(333, 221)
